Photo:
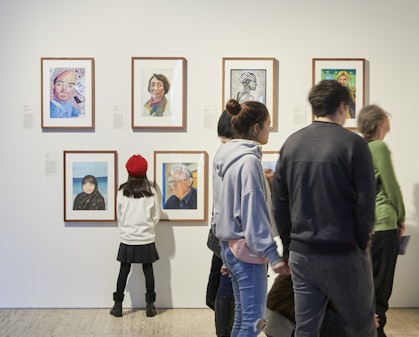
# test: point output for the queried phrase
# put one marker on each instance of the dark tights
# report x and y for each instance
(123, 276)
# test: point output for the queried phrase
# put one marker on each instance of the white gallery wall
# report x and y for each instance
(46, 262)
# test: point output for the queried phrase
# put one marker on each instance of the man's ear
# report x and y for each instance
(343, 108)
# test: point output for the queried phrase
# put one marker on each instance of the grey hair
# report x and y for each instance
(369, 119)
(182, 169)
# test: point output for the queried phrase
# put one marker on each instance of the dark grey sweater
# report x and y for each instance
(324, 190)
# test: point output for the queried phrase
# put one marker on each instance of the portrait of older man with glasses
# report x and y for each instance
(184, 194)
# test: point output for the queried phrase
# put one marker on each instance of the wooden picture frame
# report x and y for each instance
(158, 95)
(67, 93)
(349, 72)
(251, 79)
(84, 168)
(186, 171)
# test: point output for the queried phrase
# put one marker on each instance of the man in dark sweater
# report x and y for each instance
(323, 203)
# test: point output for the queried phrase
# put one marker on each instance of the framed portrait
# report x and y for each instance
(251, 79)
(351, 74)
(90, 186)
(158, 100)
(181, 177)
(269, 159)
(67, 93)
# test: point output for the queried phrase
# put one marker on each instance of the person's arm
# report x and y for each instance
(118, 205)
(281, 207)
(155, 211)
(365, 191)
(384, 166)
(255, 218)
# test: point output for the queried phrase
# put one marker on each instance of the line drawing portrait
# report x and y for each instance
(90, 185)
(347, 78)
(67, 92)
(180, 186)
(248, 85)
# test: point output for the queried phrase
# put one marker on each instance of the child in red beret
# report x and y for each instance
(138, 211)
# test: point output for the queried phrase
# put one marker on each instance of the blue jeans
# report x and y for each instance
(250, 288)
(345, 279)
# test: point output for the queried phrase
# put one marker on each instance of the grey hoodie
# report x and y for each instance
(240, 208)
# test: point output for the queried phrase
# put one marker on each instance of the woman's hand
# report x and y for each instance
(281, 268)
(224, 271)
(401, 229)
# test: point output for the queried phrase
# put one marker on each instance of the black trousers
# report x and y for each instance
(385, 248)
(213, 281)
(148, 274)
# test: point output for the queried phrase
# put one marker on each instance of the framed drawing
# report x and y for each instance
(90, 186)
(251, 79)
(269, 159)
(351, 74)
(158, 100)
(182, 180)
(67, 93)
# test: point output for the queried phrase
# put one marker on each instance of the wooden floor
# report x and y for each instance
(168, 323)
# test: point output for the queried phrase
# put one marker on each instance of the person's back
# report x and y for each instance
(323, 173)
(138, 211)
(323, 202)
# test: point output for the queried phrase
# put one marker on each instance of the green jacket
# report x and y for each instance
(389, 206)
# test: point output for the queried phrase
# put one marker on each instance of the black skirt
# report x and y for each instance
(137, 253)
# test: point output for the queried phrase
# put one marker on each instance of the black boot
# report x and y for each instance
(224, 315)
(117, 307)
(150, 309)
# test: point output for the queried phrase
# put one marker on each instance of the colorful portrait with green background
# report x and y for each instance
(347, 78)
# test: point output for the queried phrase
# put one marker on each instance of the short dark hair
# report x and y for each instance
(326, 96)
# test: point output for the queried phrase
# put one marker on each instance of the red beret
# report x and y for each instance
(136, 166)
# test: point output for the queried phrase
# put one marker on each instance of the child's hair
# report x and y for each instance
(137, 187)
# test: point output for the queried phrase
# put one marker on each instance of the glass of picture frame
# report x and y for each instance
(350, 72)
(67, 93)
(181, 178)
(251, 79)
(89, 186)
(158, 100)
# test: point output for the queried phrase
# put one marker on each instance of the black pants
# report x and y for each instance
(123, 276)
(213, 281)
(385, 248)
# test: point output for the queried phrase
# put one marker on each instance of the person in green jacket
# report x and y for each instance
(373, 123)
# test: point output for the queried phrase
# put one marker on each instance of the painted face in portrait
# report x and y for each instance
(181, 185)
(156, 89)
(343, 80)
(88, 187)
(64, 85)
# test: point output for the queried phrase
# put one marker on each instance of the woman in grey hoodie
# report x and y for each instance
(241, 217)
